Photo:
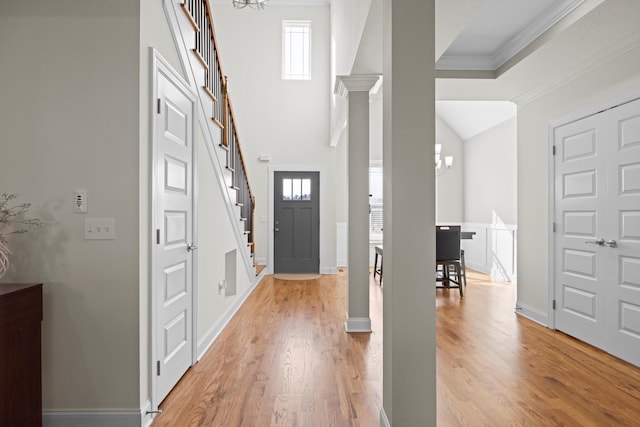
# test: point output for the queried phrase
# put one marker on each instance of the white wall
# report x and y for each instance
(348, 20)
(490, 166)
(70, 119)
(215, 239)
(375, 127)
(450, 185)
(289, 120)
(590, 86)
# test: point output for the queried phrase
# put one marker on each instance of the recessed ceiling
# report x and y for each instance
(470, 118)
(500, 30)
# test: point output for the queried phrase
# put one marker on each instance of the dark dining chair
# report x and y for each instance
(448, 257)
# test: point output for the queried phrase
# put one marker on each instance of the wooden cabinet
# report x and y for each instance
(20, 356)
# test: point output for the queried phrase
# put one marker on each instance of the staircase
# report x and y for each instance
(196, 41)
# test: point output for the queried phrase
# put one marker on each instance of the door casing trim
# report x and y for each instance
(161, 65)
(565, 120)
(324, 269)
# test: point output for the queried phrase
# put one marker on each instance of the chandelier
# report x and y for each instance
(448, 161)
(254, 4)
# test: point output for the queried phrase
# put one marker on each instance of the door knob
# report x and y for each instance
(191, 248)
(599, 242)
(611, 243)
(277, 229)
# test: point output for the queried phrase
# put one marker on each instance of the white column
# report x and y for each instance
(409, 368)
(357, 87)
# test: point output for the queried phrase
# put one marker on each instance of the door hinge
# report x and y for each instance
(553, 305)
(160, 106)
(158, 236)
(158, 368)
(554, 147)
(554, 227)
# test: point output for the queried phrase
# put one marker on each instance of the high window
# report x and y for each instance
(296, 50)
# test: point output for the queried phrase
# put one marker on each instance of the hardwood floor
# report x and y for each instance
(495, 368)
(285, 360)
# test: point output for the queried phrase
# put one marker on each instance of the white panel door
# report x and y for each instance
(173, 255)
(580, 191)
(623, 256)
(597, 202)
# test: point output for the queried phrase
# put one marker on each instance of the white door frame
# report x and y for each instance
(323, 198)
(160, 66)
(570, 118)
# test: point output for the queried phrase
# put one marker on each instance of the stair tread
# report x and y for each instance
(259, 268)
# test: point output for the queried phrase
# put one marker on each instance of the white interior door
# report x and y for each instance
(580, 191)
(173, 237)
(623, 221)
(597, 241)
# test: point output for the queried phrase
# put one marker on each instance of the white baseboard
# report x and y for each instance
(145, 418)
(358, 324)
(91, 418)
(532, 314)
(215, 330)
(480, 268)
(384, 421)
(330, 270)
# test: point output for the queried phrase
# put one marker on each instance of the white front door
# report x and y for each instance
(597, 241)
(173, 232)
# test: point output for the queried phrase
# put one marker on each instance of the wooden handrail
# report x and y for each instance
(216, 87)
(235, 131)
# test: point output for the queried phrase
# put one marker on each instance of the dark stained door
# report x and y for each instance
(296, 232)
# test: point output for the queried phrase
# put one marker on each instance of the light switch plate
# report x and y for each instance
(99, 229)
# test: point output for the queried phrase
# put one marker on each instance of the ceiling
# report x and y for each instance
(491, 50)
(494, 33)
(499, 30)
(502, 53)
(470, 118)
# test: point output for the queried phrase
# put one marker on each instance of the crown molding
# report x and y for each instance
(584, 67)
(466, 63)
(534, 30)
(514, 46)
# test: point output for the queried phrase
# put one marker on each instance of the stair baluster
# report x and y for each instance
(216, 86)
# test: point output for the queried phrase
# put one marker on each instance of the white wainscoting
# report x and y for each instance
(342, 244)
(492, 250)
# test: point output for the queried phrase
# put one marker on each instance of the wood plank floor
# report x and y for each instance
(285, 360)
(495, 368)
